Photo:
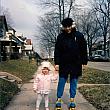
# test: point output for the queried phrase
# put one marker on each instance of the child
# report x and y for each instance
(42, 84)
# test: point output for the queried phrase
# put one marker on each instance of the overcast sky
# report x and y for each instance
(25, 14)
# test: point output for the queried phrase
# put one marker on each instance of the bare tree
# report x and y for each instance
(102, 10)
(48, 32)
(62, 7)
(57, 10)
(70, 7)
(91, 29)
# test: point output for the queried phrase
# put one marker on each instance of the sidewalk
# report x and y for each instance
(26, 99)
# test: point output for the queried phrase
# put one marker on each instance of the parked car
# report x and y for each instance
(99, 58)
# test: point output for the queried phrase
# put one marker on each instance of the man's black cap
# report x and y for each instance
(67, 22)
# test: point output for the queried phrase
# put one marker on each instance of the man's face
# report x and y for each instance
(68, 29)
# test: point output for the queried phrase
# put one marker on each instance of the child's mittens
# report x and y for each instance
(56, 72)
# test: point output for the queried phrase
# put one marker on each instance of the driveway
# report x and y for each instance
(100, 65)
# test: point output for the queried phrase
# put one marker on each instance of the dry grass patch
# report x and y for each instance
(99, 96)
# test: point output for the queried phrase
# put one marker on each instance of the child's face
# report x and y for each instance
(45, 71)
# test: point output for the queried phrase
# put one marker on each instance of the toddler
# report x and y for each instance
(42, 84)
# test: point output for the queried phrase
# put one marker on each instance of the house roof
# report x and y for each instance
(18, 40)
(10, 28)
(3, 20)
(37, 55)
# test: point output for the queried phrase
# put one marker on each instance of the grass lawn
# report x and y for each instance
(94, 76)
(99, 96)
(20, 68)
(7, 91)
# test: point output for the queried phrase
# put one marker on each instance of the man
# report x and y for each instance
(69, 56)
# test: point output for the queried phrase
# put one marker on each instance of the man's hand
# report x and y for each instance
(56, 67)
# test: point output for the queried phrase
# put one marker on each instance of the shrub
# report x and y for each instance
(7, 91)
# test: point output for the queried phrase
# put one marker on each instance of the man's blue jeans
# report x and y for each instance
(61, 85)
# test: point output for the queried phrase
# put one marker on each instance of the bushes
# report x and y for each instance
(7, 91)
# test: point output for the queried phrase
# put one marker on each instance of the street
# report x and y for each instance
(100, 65)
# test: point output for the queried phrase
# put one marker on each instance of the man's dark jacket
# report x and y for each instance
(70, 53)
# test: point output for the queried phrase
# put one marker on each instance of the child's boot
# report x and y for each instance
(58, 104)
(72, 105)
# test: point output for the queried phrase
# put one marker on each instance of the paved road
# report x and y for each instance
(100, 65)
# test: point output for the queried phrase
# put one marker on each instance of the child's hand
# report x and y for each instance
(56, 72)
(57, 67)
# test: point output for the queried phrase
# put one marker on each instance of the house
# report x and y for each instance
(16, 49)
(28, 47)
(98, 48)
(12, 46)
(9, 44)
